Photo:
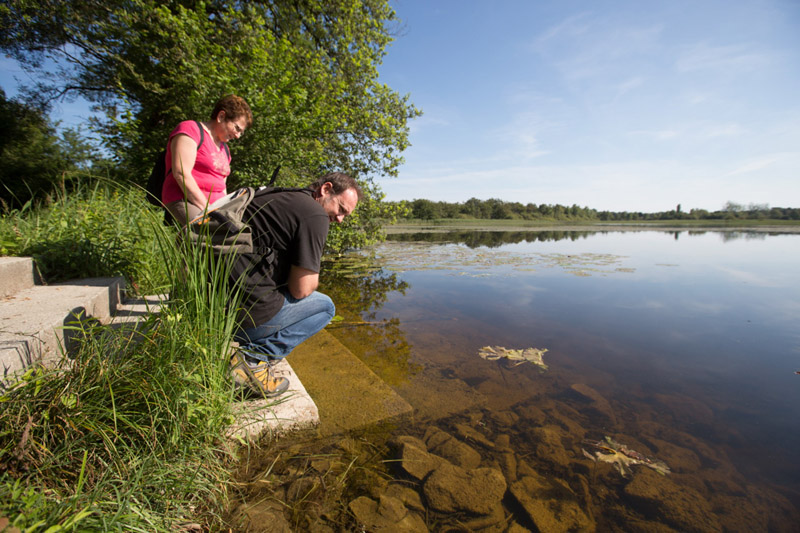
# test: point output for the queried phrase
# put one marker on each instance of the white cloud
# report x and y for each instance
(758, 163)
(629, 85)
(659, 135)
(737, 58)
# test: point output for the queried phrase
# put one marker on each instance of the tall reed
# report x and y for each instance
(127, 432)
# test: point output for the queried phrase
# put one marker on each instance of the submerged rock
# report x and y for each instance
(597, 401)
(415, 460)
(410, 497)
(549, 445)
(451, 489)
(553, 507)
(388, 514)
(262, 517)
(471, 434)
(445, 445)
(679, 506)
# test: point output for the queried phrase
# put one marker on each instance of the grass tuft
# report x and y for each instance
(126, 432)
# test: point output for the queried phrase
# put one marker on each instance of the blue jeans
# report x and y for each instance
(295, 322)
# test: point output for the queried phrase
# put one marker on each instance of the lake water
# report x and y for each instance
(682, 345)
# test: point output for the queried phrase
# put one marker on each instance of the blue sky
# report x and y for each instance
(625, 106)
(615, 105)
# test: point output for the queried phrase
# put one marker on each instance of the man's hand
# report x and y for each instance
(302, 282)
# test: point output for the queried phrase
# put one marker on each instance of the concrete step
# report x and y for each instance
(340, 394)
(32, 320)
(16, 274)
(292, 411)
(295, 410)
(348, 394)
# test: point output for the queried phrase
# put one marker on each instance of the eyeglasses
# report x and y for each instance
(237, 128)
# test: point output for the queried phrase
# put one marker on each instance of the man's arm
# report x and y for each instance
(302, 282)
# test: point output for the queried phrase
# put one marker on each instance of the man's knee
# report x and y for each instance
(328, 305)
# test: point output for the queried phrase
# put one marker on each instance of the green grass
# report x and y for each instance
(98, 229)
(128, 434)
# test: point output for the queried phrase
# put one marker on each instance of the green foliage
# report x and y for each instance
(35, 159)
(32, 158)
(95, 230)
(494, 209)
(127, 433)
(364, 226)
(308, 70)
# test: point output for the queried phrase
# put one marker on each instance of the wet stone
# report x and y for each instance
(679, 459)
(469, 433)
(596, 400)
(503, 442)
(388, 514)
(679, 506)
(445, 445)
(508, 465)
(415, 460)
(262, 517)
(301, 488)
(398, 441)
(450, 489)
(532, 414)
(410, 497)
(504, 419)
(549, 446)
(551, 506)
(496, 517)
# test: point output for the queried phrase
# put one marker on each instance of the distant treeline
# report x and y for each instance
(499, 210)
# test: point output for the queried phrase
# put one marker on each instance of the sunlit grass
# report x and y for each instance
(126, 433)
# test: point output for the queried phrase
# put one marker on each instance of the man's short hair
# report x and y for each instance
(340, 181)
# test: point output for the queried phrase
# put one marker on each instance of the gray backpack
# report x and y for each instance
(223, 228)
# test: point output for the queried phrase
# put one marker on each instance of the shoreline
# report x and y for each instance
(445, 226)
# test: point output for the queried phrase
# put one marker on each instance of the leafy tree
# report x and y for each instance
(29, 148)
(308, 69)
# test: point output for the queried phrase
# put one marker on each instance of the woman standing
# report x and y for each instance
(198, 159)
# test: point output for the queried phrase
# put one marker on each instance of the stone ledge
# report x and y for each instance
(33, 320)
(348, 393)
(16, 274)
(293, 410)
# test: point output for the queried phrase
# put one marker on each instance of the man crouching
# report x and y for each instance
(281, 307)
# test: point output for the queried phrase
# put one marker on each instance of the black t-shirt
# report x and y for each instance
(294, 226)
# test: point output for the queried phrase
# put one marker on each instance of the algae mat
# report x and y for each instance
(348, 394)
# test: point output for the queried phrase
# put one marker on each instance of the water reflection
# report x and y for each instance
(489, 239)
(360, 289)
(683, 350)
(494, 239)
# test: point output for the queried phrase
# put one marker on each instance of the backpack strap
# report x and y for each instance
(202, 133)
(199, 144)
(274, 176)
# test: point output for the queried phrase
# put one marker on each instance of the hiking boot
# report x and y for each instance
(257, 378)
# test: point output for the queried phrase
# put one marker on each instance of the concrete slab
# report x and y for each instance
(294, 410)
(136, 309)
(32, 320)
(16, 274)
(348, 394)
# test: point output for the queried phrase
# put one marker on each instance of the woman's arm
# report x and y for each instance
(184, 154)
